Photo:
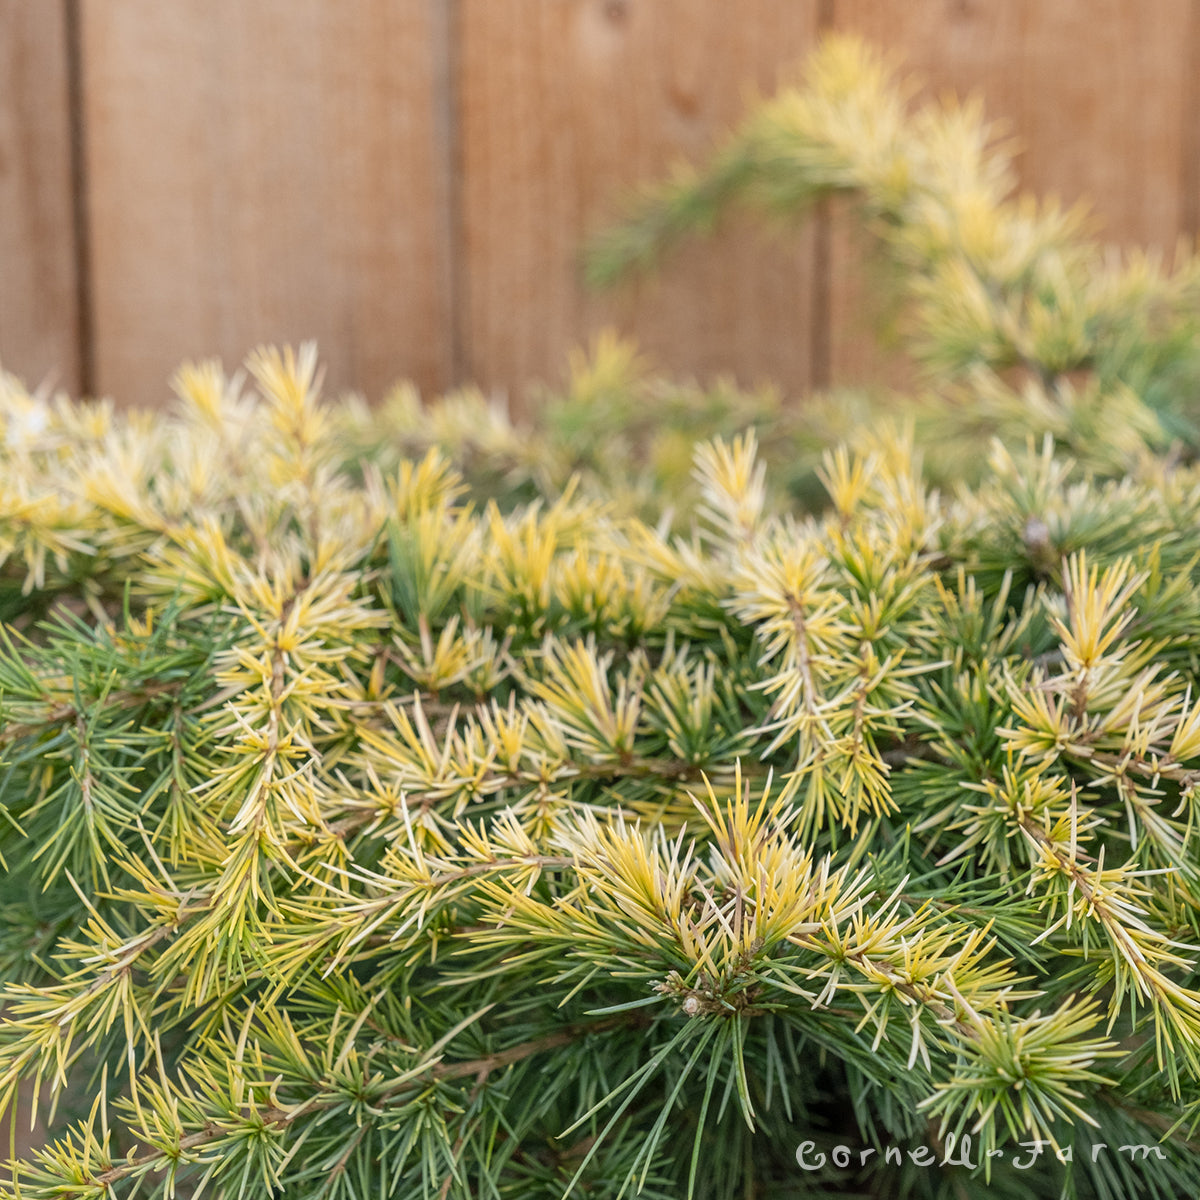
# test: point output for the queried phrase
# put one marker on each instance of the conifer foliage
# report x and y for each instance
(1017, 318)
(372, 830)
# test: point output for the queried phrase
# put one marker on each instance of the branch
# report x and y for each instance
(277, 1117)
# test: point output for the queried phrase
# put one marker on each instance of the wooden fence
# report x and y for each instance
(409, 181)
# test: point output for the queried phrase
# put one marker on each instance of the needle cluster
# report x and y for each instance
(363, 838)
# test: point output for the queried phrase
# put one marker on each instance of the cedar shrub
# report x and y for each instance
(402, 802)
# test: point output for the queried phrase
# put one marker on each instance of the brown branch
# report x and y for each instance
(1148, 975)
(803, 656)
(64, 712)
(280, 1118)
(551, 1041)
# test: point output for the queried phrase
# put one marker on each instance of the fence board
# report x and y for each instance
(265, 171)
(38, 301)
(563, 107)
(285, 169)
(1093, 93)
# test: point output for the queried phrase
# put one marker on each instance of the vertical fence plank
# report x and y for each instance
(282, 170)
(38, 300)
(565, 104)
(265, 171)
(1093, 93)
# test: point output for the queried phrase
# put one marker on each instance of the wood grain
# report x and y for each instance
(410, 181)
(38, 300)
(1093, 93)
(266, 172)
(564, 105)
